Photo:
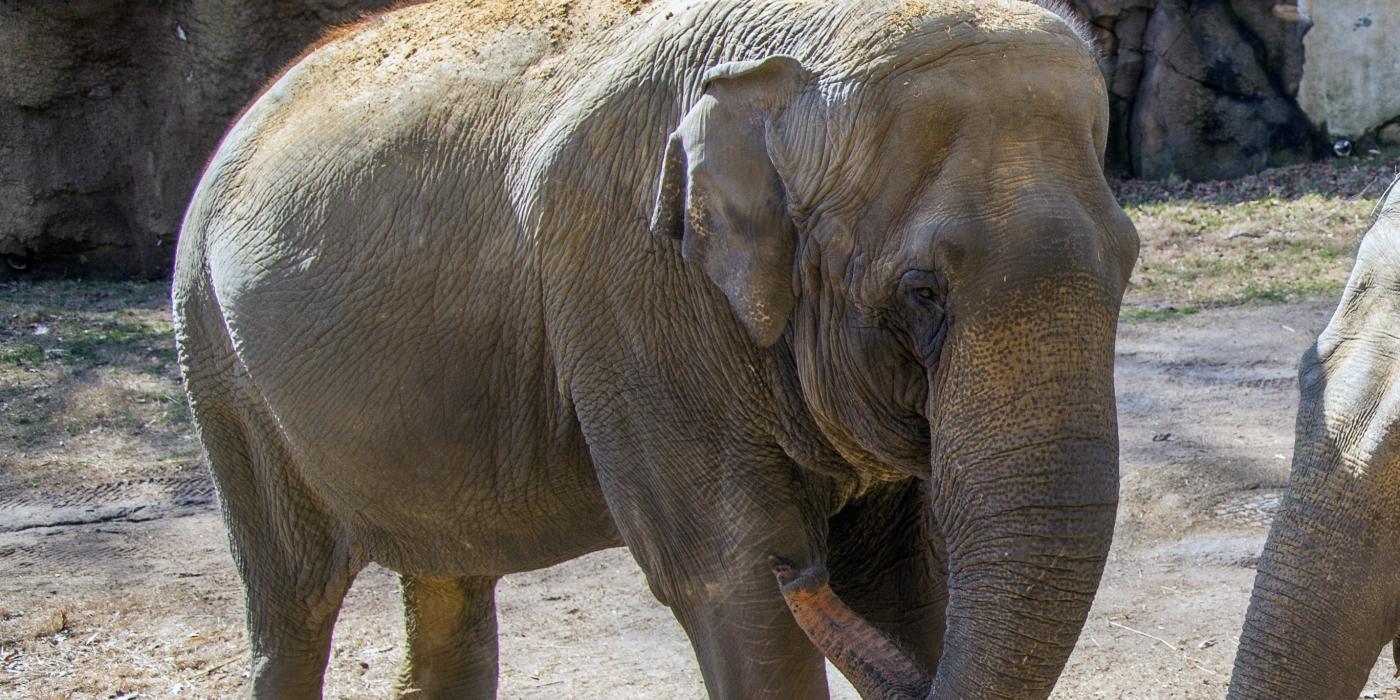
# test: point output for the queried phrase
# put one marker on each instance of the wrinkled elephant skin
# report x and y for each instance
(476, 288)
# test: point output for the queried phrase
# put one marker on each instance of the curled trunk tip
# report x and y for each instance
(875, 664)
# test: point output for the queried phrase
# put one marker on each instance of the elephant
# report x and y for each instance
(1326, 596)
(781, 296)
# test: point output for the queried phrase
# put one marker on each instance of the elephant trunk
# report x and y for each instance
(1022, 576)
(1324, 602)
(1323, 605)
(1024, 472)
(1025, 476)
(1013, 616)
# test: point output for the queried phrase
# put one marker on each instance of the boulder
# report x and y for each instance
(1119, 27)
(1211, 104)
(1353, 65)
(1201, 89)
(1389, 134)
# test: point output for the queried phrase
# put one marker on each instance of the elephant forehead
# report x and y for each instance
(1370, 307)
(883, 38)
(1019, 92)
(974, 173)
(1352, 382)
(1011, 109)
(1358, 417)
(959, 18)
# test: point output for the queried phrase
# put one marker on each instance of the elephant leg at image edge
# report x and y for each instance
(452, 647)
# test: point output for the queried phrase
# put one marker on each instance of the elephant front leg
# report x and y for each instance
(748, 643)
(705, 552)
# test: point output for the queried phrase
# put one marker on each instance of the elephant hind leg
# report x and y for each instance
(451, 625)
(295, 561)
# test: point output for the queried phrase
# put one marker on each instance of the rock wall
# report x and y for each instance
(1202, 89)
(1352, 83)
(109, 109)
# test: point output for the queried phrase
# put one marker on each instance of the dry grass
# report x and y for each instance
(119, 647)
(88, 384)
(1285, 234)
(169, 637)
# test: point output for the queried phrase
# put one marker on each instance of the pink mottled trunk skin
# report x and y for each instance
(870, 660)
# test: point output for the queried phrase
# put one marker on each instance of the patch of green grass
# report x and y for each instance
(88, 376)
(1146, 313)
(1275, 293)
(1285, 235)
(104, 343)
(172, 405)
(22, 354)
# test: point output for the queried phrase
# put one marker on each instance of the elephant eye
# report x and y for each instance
(921, 289)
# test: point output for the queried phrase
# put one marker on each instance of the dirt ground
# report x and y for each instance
(116, 582)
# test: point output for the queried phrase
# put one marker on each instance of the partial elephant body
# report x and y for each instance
(1326, 599)
(433, 313)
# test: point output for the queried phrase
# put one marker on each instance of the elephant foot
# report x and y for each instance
(875, 664)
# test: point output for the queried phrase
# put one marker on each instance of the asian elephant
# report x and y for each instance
(1327, 593)
(476, 288)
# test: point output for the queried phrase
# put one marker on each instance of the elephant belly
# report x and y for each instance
(432, 428)
(471, 496)
(473, 500)
(472, 520)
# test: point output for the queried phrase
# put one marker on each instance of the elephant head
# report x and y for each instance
(1327, 593)
(922, 229)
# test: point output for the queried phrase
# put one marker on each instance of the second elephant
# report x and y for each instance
(1326, 599)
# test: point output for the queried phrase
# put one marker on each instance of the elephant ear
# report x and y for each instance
(722, 196)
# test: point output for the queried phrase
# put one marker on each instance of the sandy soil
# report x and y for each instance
(125, 589)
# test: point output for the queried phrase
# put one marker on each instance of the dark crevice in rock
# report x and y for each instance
(1201, 89)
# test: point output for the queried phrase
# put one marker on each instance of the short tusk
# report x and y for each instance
(874, 663)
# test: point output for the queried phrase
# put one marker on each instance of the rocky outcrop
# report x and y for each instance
(1352, 83)
(109, 109)
(1202, 89)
